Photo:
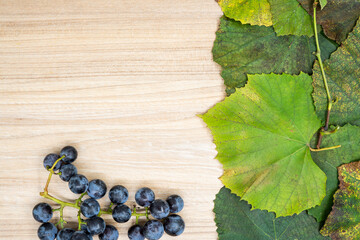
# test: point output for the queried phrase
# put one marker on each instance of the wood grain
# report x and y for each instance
(120, 80)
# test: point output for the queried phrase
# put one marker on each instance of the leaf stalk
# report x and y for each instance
(323, 149)
(318, 56)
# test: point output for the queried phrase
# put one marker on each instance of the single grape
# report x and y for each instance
(97, 188)
(176, 203)
(78, 184)
(80, 235)
(144, 197)
(42, 212)
(159, 209)
(153, 230)
(95, 225)
(47, 231)
(67, 171)
(70, 154)
(85, 230)
(49, 161)
(121, 213)
(174, 225)
(136, 233)
(110, 233)
(118, 194)
(65, 234)
(90, 207)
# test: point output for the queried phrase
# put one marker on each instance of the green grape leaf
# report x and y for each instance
(243, 49)
(254, 12)
(344, 219)
(323, 3)
(262, 133)
(349, 139)
(337, 18)
(343, 77)
(234, 220)
(290, 18)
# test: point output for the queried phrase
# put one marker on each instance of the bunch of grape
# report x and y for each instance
(154, 229)
(163, 212)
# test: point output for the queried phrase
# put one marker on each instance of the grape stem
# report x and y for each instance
(137, 217)
(51, 170)
(147, 213)
(110, 206)
(137, 214)
(62, 204)
(61, 221)
(134, 213)
(77, 204)
(80, 221)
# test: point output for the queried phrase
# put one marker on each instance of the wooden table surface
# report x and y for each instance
(122, 81)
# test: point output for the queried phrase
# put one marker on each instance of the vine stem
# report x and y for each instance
(318, 56)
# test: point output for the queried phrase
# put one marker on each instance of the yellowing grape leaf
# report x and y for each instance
(289, 17)
(349, 139)
(262, 133)
(343, 222)
(254, 12)
(343, 77)
(337, 18)
(243, 49)
(235, 221)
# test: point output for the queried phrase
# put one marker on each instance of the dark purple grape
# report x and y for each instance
(42, 212)
(85, 230)
(110, 233)
(144, 197)
(78, 184)
(95, 225)
(67, 171)
(70, 154)
(90, 207)
(49, 161)
(65, 234)
(176, 203)
(159, 209)
(174, 225)
(80, 235)
(136, 233)
(97, 189)
(47, 231)
(121, 213)
(118, 194)
(153, 230)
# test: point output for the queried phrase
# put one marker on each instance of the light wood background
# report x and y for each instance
(120, 80)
